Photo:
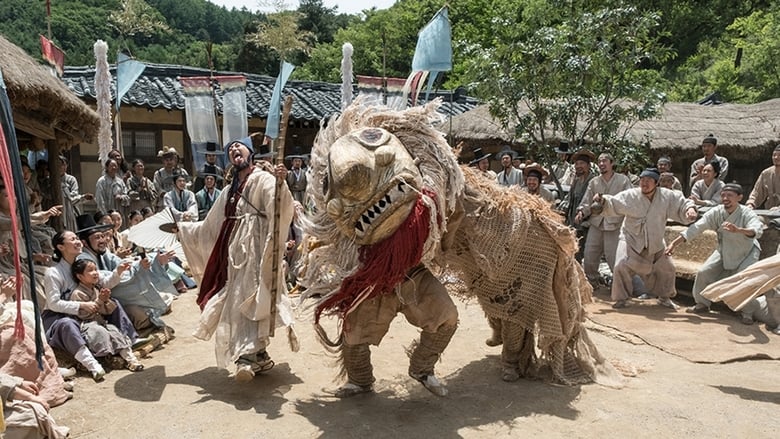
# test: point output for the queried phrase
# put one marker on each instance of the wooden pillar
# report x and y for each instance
(54, 175)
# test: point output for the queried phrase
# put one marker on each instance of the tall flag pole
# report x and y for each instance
(11, 171)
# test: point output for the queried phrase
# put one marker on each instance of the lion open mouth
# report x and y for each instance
(374, 214)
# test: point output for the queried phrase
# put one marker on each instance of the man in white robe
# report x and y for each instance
(233, 253)
(641, 249)
(509, 176)
(110, 190)
(602, 238)
(738, 229)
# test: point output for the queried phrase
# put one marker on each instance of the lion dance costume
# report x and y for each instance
(394, 213)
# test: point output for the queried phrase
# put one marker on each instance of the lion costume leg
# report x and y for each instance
(428, 306)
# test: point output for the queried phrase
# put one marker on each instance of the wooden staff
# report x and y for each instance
(277, 207)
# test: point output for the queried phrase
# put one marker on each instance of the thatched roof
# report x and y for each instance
(42, 105)
(680, 127)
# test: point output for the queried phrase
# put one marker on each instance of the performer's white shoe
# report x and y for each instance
(431, 383)
(349, 390)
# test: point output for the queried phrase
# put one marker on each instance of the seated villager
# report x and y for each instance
(102, 337)
(667, 180)
(145, 291)
(738, 230)
(706, 192)
(18, 355)
(766, 191)
(181, 200)
(708, 147)
(8, 258)
(208, 194)
(764, 309)
(25, 412)
(664, 164)
(63, 330)
(113, 244)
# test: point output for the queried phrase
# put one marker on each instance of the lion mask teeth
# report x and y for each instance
(375, 211)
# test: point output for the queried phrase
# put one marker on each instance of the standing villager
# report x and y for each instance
(509, 176)
(163, 177)
(534, 175)
(481, 161)
(71, 197)
(111, 191)
(766, 191)
(211, 167)
(604, 231)
(563, 169)
(235, 243)
(641, 250)
(738, 229)
(140, 189)
(582, 177)
(296, 177)
(708, 147)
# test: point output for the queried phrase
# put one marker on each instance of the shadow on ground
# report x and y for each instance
(403, 408)
(264, 394)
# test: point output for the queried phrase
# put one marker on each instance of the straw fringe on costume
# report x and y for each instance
(511, 251)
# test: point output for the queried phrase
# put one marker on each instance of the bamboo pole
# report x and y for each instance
(277, 208)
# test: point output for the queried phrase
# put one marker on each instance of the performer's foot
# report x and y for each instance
(431, 383)
(510, 374)
(776, 331)
(247, 366)
(667, 302)
(620, 304)
(699, 308)
(348, 390)
(494, 340)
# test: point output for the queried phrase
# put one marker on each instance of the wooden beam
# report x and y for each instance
(33, 126)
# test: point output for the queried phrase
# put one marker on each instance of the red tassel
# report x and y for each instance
(384, 264)
(8, 179)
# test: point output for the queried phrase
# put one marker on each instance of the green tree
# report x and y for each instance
(742, 66)
(580, 79)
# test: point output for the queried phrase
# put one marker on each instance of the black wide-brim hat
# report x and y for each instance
(86, 226)
(563, 148)
(479, 156)
(211, 148)
(263, 152)
(297, 153)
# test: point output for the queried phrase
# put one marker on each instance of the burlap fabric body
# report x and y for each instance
(515, 256)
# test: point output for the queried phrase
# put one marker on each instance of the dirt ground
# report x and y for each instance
(181, 393)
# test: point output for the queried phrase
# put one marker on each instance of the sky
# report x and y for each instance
(345, 6)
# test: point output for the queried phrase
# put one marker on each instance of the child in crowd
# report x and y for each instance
(102, 337)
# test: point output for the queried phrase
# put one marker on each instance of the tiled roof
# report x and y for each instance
(159, 87)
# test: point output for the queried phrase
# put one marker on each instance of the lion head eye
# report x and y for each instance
(373, 138)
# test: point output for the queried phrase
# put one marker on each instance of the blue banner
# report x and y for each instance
(274, 109)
